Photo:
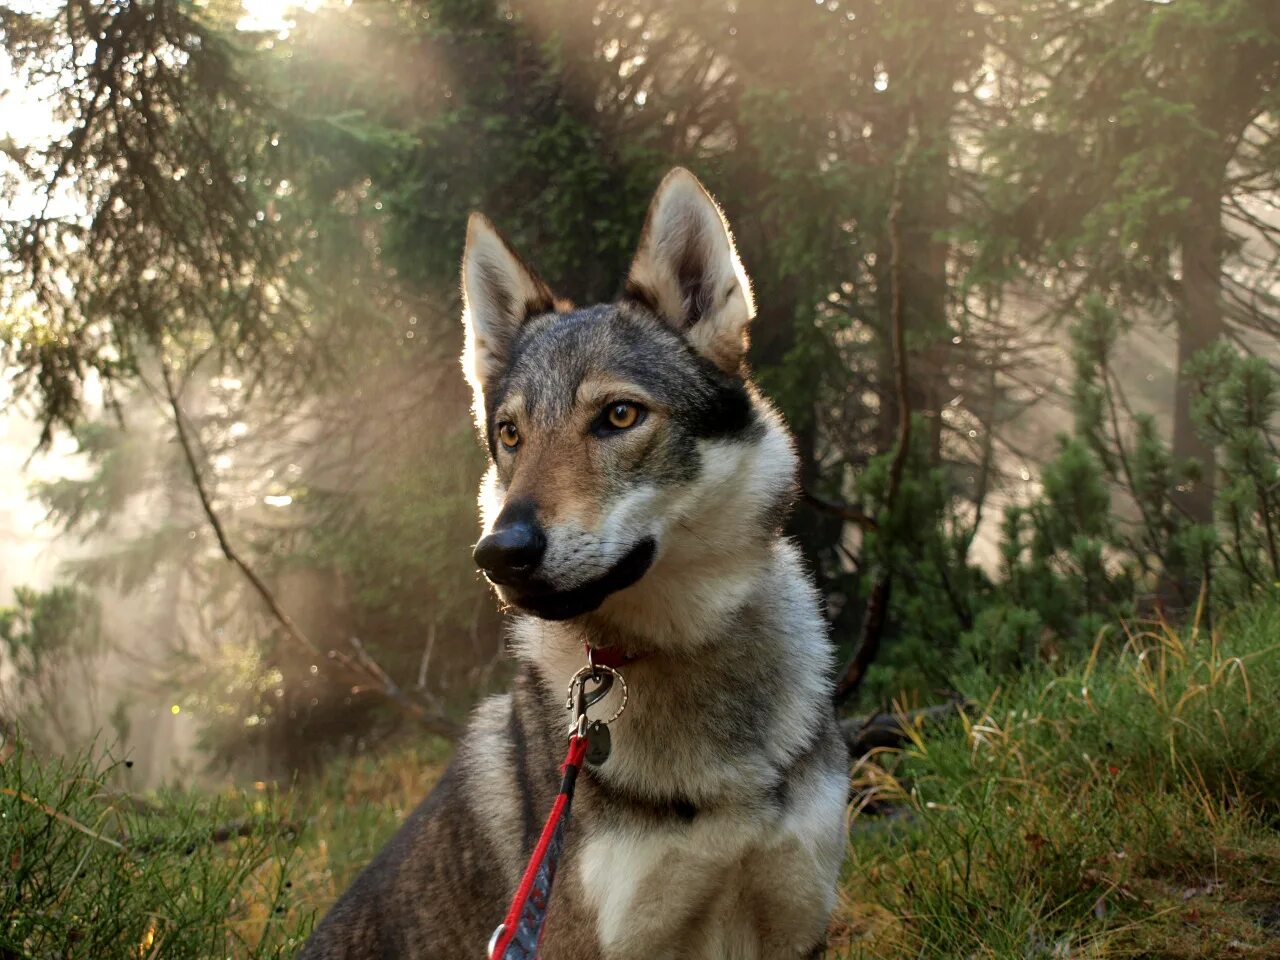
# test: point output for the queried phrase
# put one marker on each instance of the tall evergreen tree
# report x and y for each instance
(1144, 121)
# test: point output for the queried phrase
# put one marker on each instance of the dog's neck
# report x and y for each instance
(682, 615)
(768, 648)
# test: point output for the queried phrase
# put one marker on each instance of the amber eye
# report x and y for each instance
(621, 416)
(509, 435)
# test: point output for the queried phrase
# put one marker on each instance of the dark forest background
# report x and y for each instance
(228, 271)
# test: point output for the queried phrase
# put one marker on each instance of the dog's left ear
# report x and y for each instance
(499, 292)
(687, 271)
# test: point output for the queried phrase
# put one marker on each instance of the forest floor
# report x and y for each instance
(1127, 806)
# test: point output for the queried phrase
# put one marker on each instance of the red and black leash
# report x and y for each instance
(517, 937)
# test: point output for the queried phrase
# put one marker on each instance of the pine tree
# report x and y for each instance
(1145, 126)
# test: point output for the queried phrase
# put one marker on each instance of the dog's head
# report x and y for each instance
(618, 431)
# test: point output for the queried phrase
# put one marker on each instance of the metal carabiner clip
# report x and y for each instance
(579, 699)
(582, 699)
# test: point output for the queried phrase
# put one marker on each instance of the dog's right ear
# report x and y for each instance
(688, 272)
(499, 292)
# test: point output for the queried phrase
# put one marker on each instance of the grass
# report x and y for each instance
(87, 871)
(1126, 807)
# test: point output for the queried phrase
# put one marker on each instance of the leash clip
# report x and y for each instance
(579, 699)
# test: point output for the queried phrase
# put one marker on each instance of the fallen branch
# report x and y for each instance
(362, 667)
(222, 833)
(881, 731)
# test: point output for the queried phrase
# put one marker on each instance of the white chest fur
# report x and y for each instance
(730, 885)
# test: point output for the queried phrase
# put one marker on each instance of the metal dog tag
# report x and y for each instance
(599, 743)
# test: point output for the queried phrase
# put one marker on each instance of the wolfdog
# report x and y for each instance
(633, 505)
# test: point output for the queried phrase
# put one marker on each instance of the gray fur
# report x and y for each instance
(715, 829)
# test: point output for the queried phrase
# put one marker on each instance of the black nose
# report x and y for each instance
(513, 550)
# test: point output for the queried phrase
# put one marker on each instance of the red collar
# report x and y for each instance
(611, 657)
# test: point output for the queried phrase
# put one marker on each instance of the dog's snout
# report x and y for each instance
(514, 548)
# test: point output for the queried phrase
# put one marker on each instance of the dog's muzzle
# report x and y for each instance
(539, 598)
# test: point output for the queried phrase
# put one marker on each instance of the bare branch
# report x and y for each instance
(841, 510)
(362, 666)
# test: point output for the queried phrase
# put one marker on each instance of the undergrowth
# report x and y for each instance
(1128, 806)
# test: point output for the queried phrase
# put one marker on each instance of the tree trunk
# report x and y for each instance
(773, 336)
(1200, 324)
(924, 281)
(924, 277)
